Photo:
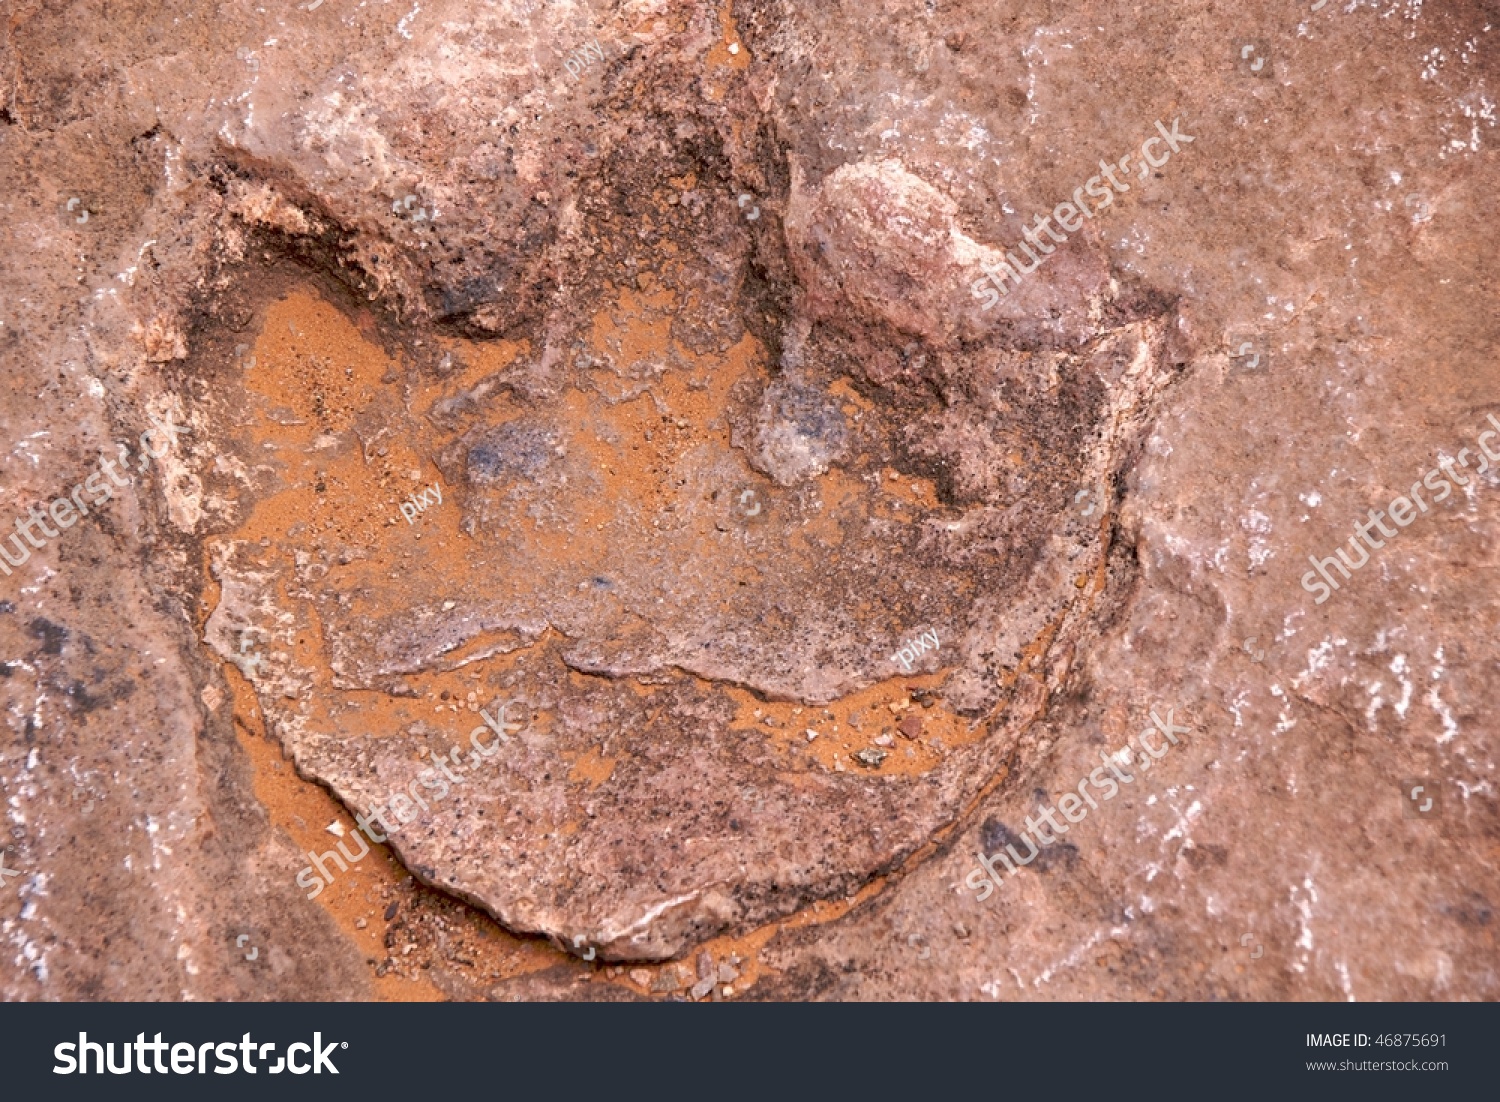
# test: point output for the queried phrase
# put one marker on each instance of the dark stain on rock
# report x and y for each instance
(1201, 855)
(800, 433)
(52, 635)
(472, 293)
(511, 450)
(87, 702)
(995, 835)
(1474, 911)
(1058, 853)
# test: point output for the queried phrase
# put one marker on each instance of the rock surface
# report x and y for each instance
(634, 362)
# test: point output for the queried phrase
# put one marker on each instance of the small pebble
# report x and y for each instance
(668, 979)
(640, 977)
(390, 912)
(335, 828)
(870, 757)
(882, 740)
(811, 734)
(734, 48)
(910, 727)
(360, 924)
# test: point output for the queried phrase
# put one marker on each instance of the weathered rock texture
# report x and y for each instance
(652, 385)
